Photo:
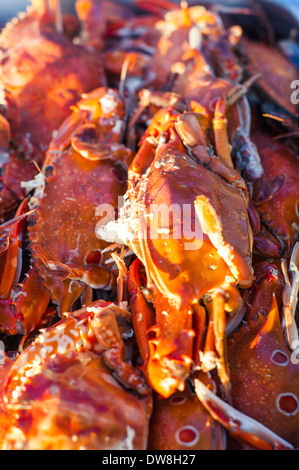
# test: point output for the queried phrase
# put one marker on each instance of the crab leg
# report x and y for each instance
(12, 252)
(290, 298)
(208, 357)
(214, 353)
(55, 7)
(52, 7)
(199, 326)
(239, 425)
(222, 145)
(143, 314)
(128, 64)
(236, 319)
(122, 279)
(219, 323)
(223, 148)
(30, 302)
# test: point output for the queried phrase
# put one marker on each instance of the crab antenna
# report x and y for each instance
(13, 221)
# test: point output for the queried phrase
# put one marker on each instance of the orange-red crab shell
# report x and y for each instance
(185, 255)
(46, 74)
(85, 170)
(60, 393)
(265, 376)
(180, 422)
(43, 73)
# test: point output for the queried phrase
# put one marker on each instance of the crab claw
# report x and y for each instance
(169, 363)
(290, 297)
(164, 335)
(22, 305)
(81, 359)
(277, 188)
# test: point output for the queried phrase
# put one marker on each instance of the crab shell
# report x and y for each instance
(43, 73)
(180, 422)
(189, 227)
(86, 168)
(59, 393)
(75, 405)
(264, 375)
(44, 89)
(279, 211)
(184, 272)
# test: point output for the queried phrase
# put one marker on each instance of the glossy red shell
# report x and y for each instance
(264, 376)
